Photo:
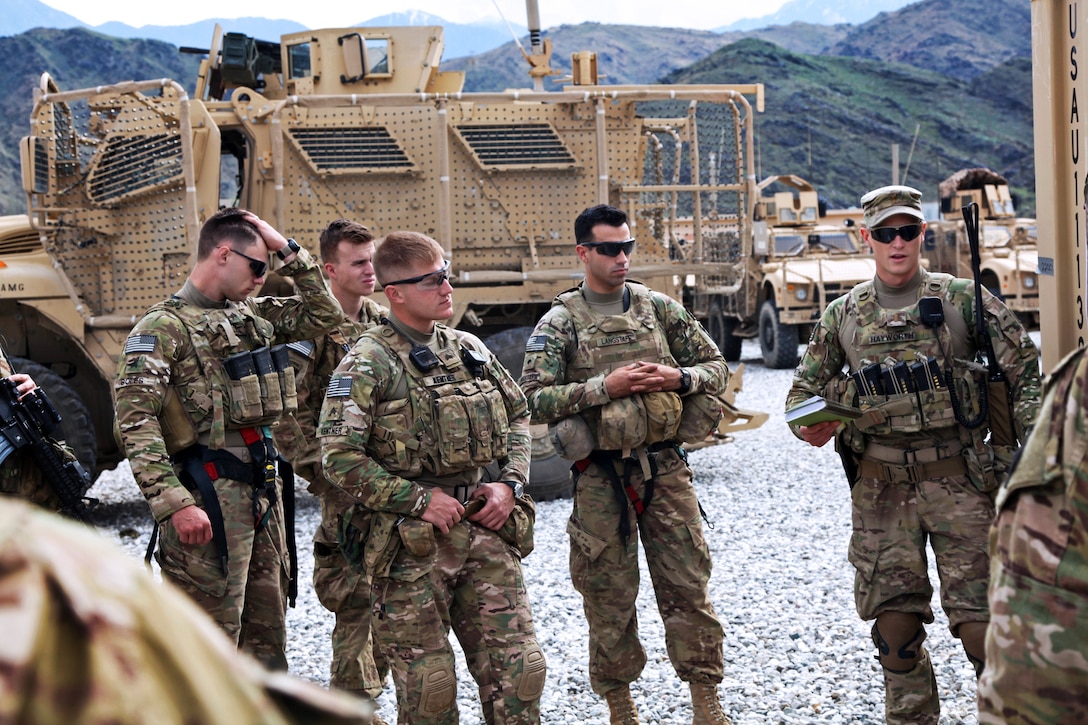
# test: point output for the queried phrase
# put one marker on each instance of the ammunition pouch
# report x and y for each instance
(260, 386)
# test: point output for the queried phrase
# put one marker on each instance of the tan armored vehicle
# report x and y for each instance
(1008, 248)
(792, 265)
(360, 123)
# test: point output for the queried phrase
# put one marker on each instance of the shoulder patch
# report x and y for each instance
(140, 344)
(303, 347)
(536, 343)
(339, 387)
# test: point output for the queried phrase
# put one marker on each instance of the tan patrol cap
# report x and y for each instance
(879, 204)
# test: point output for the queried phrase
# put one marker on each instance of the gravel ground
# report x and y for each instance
(795, 651)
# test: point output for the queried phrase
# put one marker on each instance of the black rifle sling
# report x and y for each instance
(194, 469)
(287, 475)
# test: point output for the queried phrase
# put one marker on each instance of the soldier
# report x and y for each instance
(613, 364)
(412, 416)
(923, 467)
(347, 250)
(99, 640)
(16, 475)
(197, 388)
(1037, 642)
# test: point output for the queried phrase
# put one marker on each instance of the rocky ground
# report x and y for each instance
(779, 524)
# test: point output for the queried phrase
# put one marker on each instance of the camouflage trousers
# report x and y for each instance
(605, 573)
(892, 523)
(1037, 642)
(356, 663)
(250, 602)
(470, 582)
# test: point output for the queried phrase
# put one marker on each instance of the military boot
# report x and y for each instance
(621, 707)
(706, 709)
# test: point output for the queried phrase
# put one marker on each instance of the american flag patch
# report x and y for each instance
(339, 388)
(140, 343)
(303, 347)
(536, 343)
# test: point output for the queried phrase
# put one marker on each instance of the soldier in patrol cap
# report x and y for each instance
(412, 416)
(202, 377)
(347, 254)
(622, 374)
(918, 459)
(1037, 642)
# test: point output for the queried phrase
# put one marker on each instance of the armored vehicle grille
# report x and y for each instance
(333, 149)
(23, 242)
(129, 165)
(532, 145)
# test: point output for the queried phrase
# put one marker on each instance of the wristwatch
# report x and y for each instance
(685, 381)
(291, 248)
(516, 487)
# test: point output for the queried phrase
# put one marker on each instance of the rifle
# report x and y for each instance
(27, 423)
(999, 411)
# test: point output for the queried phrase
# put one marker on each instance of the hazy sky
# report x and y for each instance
(704, 14)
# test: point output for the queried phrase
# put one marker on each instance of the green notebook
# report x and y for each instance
(817, 409)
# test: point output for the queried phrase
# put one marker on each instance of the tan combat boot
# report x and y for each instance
(705, 707)
(621, 707)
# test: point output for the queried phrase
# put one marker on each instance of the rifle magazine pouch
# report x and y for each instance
(246, 407)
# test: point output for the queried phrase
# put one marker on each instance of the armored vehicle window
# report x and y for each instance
(298, 61)
(788, 243)
(839, 240)
(377, 56)
(994, 236)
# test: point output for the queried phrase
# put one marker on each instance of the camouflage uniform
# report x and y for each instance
(922, 475)
(178, 348)
(356, 665)
(390, 433)
(20, 476)
(1037, 642)
(567, 358)
(98, 640)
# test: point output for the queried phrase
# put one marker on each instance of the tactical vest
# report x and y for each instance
(885, 337)
(453, 420)
(252, 400)
(607, 342)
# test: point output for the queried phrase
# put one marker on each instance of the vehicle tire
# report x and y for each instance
(778, 342)
(76, 428)
(549, 475)
(721, 329)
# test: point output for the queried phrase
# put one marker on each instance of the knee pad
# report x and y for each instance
(438, 690)
(898, 641)
(530, 682)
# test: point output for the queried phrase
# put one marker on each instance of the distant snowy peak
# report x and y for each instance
(820, 12)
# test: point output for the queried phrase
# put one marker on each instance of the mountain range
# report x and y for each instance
(947, 80)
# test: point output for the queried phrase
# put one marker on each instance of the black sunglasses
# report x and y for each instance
(429, 281)
(887, 235)
(612, 249)
(258, 266)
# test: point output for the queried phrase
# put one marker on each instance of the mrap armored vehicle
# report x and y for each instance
(360, 123)
(1008, 244)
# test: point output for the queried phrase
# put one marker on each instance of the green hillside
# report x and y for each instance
(833, 120)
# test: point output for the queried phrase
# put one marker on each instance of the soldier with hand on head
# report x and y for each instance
(1037, 642)
(412, 416)
(626, 375)
(347, 253)
(202, 377)
(922, 465)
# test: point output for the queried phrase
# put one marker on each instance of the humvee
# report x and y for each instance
(362, 123)
(1008, 248)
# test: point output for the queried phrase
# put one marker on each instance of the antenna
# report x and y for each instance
(508, 26)
(910, 154)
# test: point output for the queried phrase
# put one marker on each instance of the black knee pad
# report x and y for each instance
(899, 648)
